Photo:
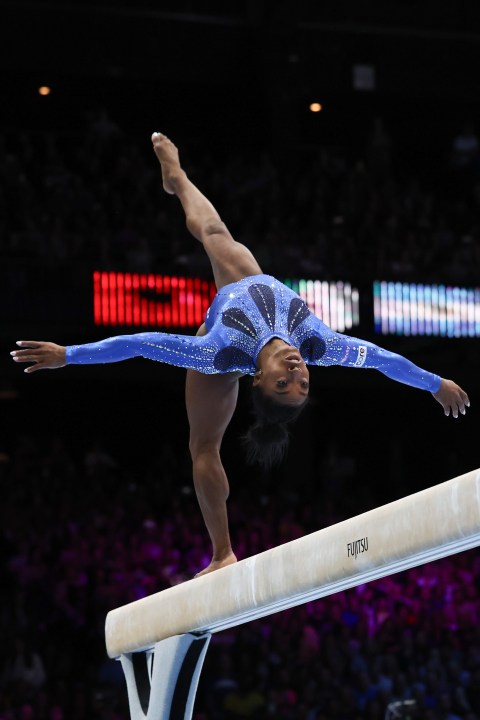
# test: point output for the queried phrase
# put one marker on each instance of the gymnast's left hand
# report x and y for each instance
(453, 399)
(43, 355)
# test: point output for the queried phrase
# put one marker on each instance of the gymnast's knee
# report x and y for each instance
(215, 227)
(207, 229)
(203, 449)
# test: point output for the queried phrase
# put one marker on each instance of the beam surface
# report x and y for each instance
(428, 525)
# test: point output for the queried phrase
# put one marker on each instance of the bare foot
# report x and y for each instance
(167, 153)
(217, 564)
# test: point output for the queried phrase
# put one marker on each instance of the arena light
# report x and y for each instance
(171, 301)
(418, 309)
(135, 299)
(336, 303)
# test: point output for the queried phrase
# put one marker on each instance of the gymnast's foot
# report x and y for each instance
(167, 154)
(217, 564)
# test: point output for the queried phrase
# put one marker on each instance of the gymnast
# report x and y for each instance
(255, 326)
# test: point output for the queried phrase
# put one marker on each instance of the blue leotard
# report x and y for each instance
(242, 319)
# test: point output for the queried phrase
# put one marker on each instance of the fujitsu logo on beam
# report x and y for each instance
(357, 547)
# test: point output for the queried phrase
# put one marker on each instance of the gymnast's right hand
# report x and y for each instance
(43, 355)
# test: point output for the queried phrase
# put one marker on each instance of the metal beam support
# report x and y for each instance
(162, 682)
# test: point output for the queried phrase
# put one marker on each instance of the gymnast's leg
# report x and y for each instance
(230, 260)
(211, 401)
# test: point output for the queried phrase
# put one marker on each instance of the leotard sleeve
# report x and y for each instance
(186, 351)
(333, 348)
(362, 354)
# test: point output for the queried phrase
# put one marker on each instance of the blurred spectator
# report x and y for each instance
(25, 668)
(329, 216)
(246, 700)
(84, 529)
(465, 146)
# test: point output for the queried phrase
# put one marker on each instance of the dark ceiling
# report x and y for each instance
(260, 58)
(214, 39)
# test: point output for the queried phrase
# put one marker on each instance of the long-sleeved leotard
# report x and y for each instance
(242, 319)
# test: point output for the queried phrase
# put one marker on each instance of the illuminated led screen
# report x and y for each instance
(413, 309)
(167, 301)
(336, 303)
(150, 300)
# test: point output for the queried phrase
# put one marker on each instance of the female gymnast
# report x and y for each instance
(255, 326)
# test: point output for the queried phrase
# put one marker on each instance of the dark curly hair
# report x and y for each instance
(266, 440)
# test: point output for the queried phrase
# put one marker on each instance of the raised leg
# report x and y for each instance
(230, 260)
(210, 399)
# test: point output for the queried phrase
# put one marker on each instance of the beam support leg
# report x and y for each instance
(162, 682)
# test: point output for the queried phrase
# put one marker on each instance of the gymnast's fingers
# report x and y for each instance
(463, 401)
(37, 366)
(27, 355)
(30, 343)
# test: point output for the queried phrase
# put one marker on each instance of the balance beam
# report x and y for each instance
(433, 523)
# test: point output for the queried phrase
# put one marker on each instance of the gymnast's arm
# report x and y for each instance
(355, 353)
(185, 351)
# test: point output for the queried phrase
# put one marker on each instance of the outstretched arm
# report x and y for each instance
(185, 351)
(453, 399)
(353, 352)
(360, 353)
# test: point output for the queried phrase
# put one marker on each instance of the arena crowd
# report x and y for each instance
(81, 531)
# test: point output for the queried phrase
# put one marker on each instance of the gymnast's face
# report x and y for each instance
(284, 377)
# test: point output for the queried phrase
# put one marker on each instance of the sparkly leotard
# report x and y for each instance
(242, 319)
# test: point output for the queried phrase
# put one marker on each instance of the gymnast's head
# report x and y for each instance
(282, 375)
(279, 394)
